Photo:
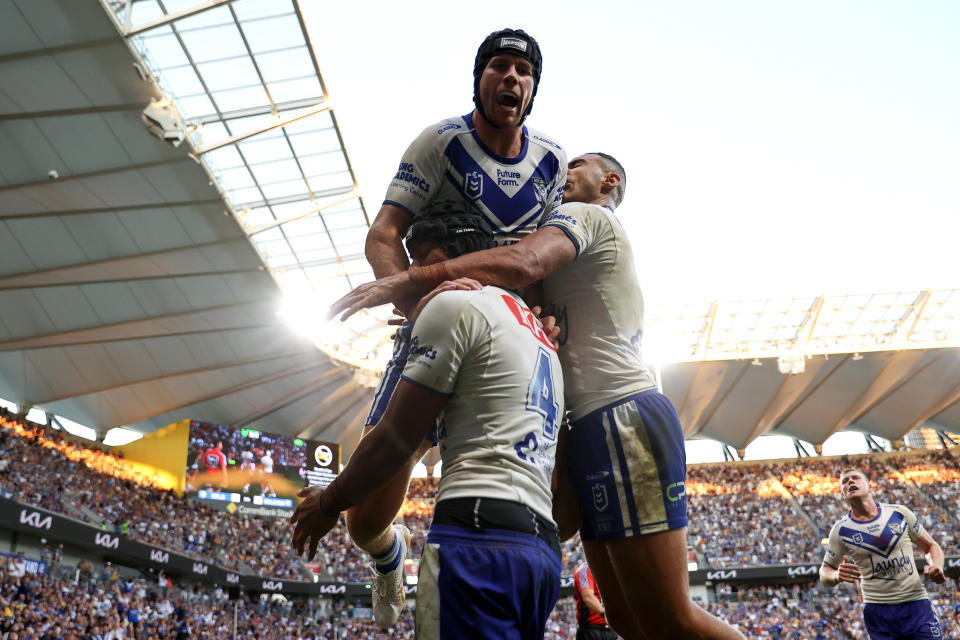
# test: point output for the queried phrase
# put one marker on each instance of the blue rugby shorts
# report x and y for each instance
(627, 463)
(902, 621)
(485, 584)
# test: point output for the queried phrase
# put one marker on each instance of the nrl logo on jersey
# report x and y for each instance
(473, 184)
(600, 501)
(896, 527)
(540, 186)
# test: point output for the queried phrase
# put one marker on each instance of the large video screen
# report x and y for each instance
(249, 466)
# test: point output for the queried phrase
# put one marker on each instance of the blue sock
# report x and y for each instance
(388, 561)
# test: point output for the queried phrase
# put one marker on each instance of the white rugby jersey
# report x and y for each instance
(448, 161)
(487, 352)
(883, 550)
(597, 301)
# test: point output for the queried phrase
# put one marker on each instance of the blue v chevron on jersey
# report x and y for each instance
(882, 544)
(510, 197)
(449, 161)
(882, 548)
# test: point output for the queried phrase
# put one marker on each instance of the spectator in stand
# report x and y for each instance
(738, 516)
(18, 566)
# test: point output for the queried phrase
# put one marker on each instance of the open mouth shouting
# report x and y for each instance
(508, 99)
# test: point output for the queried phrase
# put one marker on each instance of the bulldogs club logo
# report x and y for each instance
(540, 186)
(323, 455)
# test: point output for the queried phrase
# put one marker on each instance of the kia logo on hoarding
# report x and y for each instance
(233, 578)
(200, 568)
(159, 556)
(410, 590)
(721, 575)
(808, 570)
(35, 519)
(269, 585)
(953, 563)
(107, 541)
(333, 588)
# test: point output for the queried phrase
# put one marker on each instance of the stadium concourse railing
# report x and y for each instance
(33, 520)
(788, 572)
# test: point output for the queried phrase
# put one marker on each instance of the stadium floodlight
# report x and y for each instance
(791, 364)
(163, 120)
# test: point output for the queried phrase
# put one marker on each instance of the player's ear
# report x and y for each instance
(610, 181)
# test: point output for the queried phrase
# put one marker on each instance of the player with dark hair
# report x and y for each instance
(879, 538)
(512, 177)
(629, 466)
(491, 565)
(591, 621)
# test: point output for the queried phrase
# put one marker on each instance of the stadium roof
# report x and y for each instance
(142, 285)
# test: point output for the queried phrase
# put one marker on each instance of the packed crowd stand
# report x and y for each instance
(751, 514)
(741, 514)
(100, 604)
(38, 470)
(103, 605)
(802, 611)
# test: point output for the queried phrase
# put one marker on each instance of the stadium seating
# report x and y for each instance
(102, 605)
(811, 611)
(100, 488)
(741, 514)
(747, 514)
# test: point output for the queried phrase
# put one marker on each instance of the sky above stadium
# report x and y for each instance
(772, 149)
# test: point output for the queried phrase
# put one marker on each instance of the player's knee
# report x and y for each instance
(367, 527)
(673, 622)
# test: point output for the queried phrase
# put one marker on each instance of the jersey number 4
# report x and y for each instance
(541, 397)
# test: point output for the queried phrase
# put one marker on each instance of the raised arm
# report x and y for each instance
(378, 458)
(533, 258)
(384, 246)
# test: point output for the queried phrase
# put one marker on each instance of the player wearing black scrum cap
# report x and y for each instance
(513, 175)
(510, 175)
